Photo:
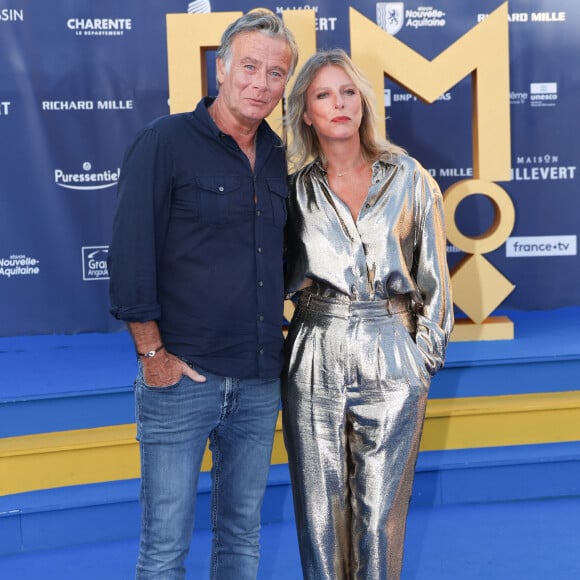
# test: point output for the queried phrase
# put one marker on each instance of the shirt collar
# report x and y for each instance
(378, 165)
(201, 111)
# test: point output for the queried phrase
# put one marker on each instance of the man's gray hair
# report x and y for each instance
(259, 20)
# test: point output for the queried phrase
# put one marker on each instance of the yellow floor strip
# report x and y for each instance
(49, 460)
(502, 420)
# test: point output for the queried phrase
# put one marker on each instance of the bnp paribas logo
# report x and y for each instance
(87, 179)
(391, 16)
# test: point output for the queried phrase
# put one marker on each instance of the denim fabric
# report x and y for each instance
(173, 426)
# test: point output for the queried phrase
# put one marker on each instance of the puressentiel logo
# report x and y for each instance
(540, 246)
(95, 262)
(543, 94)
(19, 265)
(87, 179)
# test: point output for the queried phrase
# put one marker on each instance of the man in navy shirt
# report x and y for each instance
(195, 269)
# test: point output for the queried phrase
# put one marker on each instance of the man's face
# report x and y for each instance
(254, 82)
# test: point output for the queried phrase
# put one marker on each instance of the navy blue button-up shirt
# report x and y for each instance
(197, 243)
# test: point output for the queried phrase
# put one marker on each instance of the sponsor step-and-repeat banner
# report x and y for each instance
(78, 79)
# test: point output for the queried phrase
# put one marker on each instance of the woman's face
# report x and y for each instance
(333, 105)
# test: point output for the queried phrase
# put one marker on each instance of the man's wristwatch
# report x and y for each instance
(151, 353)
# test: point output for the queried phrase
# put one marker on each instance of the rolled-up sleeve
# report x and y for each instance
(144, 194)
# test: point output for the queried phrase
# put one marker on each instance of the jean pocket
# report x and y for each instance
(141, 381)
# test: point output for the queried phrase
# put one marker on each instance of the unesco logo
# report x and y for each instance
(543, 94)
(95, 262)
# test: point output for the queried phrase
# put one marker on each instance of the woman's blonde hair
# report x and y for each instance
(303, 144)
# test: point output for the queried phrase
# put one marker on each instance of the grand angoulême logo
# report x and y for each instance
(95, 262)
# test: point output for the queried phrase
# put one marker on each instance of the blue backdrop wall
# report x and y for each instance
(79, 78)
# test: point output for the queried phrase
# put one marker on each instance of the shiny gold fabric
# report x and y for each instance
(365, 339)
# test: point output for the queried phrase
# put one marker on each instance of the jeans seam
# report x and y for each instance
(214, 508)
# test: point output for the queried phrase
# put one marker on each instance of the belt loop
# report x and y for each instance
(389, 309)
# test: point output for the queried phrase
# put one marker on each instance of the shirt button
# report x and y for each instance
(221, 188)
(258, 213)
(368, 205)
(259, 250)
(260, 318)
(260, 283)
(261, 351)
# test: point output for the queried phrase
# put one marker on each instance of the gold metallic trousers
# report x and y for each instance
(354, 394)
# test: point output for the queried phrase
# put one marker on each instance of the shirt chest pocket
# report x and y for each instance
(212, 200)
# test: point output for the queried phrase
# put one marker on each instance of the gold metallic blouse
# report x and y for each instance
(397, 246)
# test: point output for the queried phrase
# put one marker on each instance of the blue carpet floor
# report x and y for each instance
(537, 540)
(528, 540)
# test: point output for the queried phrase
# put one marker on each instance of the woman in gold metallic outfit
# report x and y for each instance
(367, 255)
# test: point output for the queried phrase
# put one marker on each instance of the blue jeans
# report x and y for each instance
(173, 425)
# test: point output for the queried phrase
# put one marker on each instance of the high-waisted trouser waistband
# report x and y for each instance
(346, 308)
